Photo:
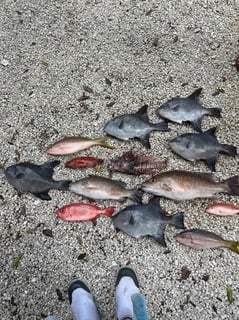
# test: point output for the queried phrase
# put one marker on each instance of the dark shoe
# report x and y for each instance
(127, 272)
(126, 285)
(76, 284)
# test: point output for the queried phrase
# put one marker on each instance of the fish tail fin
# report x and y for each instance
(229, 149)
(139, 307)
(63, 184)
(178, 220)
(103, 142)
(109, 211)
(136, 195)
(215, 112)
(161, 126)
(232, 185)
(233, 245)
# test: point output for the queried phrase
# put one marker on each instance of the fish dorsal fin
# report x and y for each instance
(142, 112)
(211, 131)
(195, 95)
(47, 169)
(206, 175)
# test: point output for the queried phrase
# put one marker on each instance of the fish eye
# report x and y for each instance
(62, 210)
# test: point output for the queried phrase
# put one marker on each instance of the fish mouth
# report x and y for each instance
(10, 171)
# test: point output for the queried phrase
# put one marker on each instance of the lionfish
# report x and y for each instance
(137, 164)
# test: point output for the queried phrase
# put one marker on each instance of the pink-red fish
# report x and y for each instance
(83, 212)
(223, 209)
(69, 145)
(83, 162)
(202, 239)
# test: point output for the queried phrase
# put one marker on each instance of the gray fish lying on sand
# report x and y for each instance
(36, 179)
(186, 185)
(204, 146)
(134, 125)
(101, 188)
(187, 109)
(146, 220)
(202, 239)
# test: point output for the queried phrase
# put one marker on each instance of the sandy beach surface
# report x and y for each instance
(68, 67)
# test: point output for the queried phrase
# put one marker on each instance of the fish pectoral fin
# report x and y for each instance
(42, 195)
(211, 162)
(166, 187)
(145, 141)
(197, 124)
(159, 238)
(20, 176)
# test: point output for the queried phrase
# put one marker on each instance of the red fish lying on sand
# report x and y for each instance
(83, 212)
(223, 209)
(82, 162)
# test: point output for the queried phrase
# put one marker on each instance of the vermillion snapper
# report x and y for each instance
(186, 185)
(223, 209)
(83, 162)
(81, 211)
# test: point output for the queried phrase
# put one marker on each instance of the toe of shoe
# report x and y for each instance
(127, 272)
(76, 284)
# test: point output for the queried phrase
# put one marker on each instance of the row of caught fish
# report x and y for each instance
(175, 184)
(149, 220)
(190, 146)
(141, 219)
(129, 162)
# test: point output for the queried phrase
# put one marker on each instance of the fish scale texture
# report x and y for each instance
(67, 68)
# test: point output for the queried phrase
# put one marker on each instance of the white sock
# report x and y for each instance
(83, 305)
(123, 292)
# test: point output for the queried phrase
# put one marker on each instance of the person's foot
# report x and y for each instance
(126, 285)
(82, 301)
